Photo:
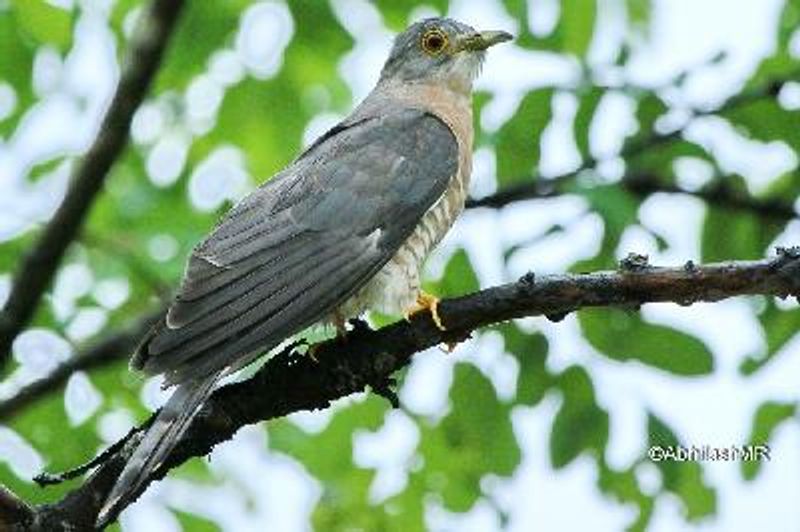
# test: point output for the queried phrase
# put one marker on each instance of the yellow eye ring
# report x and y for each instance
(434, 42)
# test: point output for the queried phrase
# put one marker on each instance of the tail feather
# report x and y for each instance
(159, 440)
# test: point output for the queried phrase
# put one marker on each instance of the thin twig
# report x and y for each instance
(718, 194)
(115, 347)
(538, 186)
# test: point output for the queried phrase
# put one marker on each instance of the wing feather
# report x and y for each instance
(299, 246)
(323, 288)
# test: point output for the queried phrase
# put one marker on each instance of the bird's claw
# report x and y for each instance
(430, 303)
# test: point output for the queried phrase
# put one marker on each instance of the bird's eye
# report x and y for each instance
(434, 42)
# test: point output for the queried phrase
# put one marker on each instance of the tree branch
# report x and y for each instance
(538, 186)
(37, 269)
(290, 382)
(718, 194)
(115, 347)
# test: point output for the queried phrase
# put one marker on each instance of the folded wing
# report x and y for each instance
(300, 245)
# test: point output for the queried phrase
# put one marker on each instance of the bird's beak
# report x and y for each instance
(482, 40)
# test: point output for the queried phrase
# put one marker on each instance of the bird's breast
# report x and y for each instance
(394, 288)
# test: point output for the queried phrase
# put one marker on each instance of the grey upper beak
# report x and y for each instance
(483, 40)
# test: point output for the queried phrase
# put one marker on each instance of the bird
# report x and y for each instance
(343, 229)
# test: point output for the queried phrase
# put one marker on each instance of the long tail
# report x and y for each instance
(165, 432)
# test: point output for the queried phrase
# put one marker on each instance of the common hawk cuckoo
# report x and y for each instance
(344, 228)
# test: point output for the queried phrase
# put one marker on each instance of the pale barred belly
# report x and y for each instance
(395, 287)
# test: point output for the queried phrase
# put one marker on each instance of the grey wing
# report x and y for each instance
(299, 246)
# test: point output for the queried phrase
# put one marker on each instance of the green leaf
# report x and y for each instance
(782, 63)
(396, 12)
(648, 111)
(767, 419)
(530, 350)
(475, 439)
(12, 251)
(62, 447)
(203, 28)
(618, 208)
(780, 326)
(518, 9)
(729, 235)
(767, 121)
(328, 457)
(660, 160)
(17, 51)
(614, 204)
(266, 119)
(459, 277)
(587, 107)
(307, 63)
(580, 424)
(44, 22)
(195, 523)
(577, 25)
(519, 140)
(683, 478)
(624, 487)
(624, 336)
(639, 12)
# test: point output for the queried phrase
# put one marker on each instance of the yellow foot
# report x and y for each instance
(429, 303)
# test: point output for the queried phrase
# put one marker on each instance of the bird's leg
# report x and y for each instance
(341, 326)
(427, 302)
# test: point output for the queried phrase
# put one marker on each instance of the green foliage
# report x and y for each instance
(618, 210)
(396, 12)
(530, 350)
(518, 142)
(728, 234)
(624, 487)
(639, 11)
(17, 54)
(459, 277)
(42, 22)
(474, 440)
(204, 27)
(580, 424)
(573, 32)
(661, 162)
(587, 106)
(681, 478)
(767, 121)
(766, 421)
(779, 327)
(345, 485)
(624, 336)
(781, 62)
(43, 427)
(577, 25)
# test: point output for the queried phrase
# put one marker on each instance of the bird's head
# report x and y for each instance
(440, 50)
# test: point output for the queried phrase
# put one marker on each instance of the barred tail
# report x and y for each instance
(162, 436)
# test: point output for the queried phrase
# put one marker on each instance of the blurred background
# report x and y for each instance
(669, 128)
